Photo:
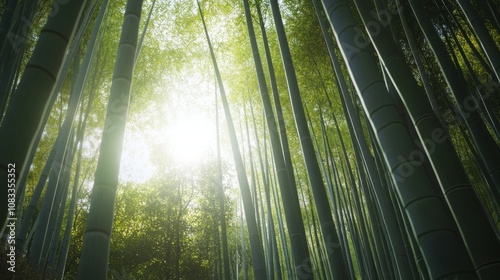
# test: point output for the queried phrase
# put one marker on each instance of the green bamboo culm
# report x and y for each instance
(65, 244)
(432, 224)
(487, 42)
(40, 243)
(221, 196)
(392, 230)
(479, 236)
(288, 190)
(464, 106)
(22, 120)
(95, 250)
(336, 261)
(6, 20)
(259, 267)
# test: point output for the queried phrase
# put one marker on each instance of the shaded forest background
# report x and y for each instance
(167, 212)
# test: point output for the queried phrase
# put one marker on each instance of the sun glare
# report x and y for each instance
(189, 140)
(186, 138)
(178, 130)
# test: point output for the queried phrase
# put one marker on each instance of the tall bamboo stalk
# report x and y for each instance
(336, 261)
(258, 259)
(24, 114)
(415, 189)
(96, 244)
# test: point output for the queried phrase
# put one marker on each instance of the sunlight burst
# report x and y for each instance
(189, 140)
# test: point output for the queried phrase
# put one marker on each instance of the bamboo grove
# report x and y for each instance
(352, 139)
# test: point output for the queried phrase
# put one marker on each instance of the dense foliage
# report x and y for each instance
(370, 151)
